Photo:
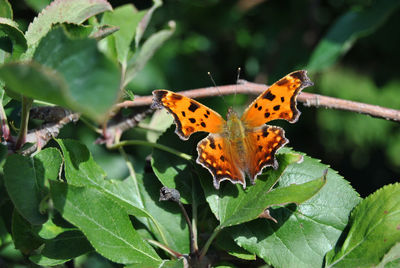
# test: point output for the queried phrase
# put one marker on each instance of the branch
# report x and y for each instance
(308, 99)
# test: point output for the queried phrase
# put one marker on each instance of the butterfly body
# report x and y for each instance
(239, 145)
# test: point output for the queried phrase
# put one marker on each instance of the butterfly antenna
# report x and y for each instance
(219, 91)
(237, 83)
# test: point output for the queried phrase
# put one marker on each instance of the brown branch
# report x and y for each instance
(308, 99)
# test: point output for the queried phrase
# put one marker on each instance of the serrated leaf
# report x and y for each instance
(146, 52)
(22, 187)
(73, 11)
(10, 29)
(373, 230)
(346, 30)
(92, 80)
(105, 224)
(138, 196)
(127, 18)
(66, 246)
(5, 9)
(173, 171)
(232, 205)
(304, 232)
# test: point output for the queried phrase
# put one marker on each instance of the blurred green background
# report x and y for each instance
(350, 47)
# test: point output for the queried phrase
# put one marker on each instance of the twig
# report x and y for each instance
(308, 99)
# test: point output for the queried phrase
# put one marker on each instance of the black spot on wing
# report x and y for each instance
(183, 114)
(193, 106)
(203, 124)
(277, 107)
(222, 158)
(219, 146)
(259, 108)
(176, 97)
(267, 114)
(282, 99)
(192, 120)
(265, 132)
(269, 96)
(282, 82)
(255, 105)
(206, 115)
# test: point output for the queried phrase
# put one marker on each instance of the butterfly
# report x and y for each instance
(238, 145)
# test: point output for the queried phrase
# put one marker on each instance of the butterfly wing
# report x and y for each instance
(278, 101)
(261, 146)
(217, 155)
(190, 116)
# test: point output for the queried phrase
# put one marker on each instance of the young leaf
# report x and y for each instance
(145, 21)
(147, 51)
(73, 11)
(305, 232)
(373, 230)
(47, 165)
(22, 187)
(64, 247)
(127, 18)
(347, 29)
(105, 224)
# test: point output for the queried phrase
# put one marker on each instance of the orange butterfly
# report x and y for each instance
(237, 146)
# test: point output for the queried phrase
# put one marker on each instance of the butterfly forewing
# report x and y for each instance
(278, 101)
(190, 116)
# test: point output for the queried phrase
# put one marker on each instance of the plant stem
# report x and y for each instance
(151, 144)
(165, 248)
(193, 246)
(309, 99)
(209, 241)
(23, 130)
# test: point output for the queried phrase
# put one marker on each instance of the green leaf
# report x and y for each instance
(22, 187)
(141, 27)
(138, 196)
(392, 258)
(5, 9)
(92, 79)
(346, 30)
(47, 164)
(37, 5)
(64, 247)
(73, 11)
(127, 18)
(10, 30)
(173, 171)
(373, 230)
(226, 243)
(304, 232)
(232, 205)
(105, 224)
(147, 51)
(181, 263)
(23, 237)
(76, 76)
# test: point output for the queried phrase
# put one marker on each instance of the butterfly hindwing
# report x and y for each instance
(216, 154)
(262, 144)
(278, 101)
(190, 116)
